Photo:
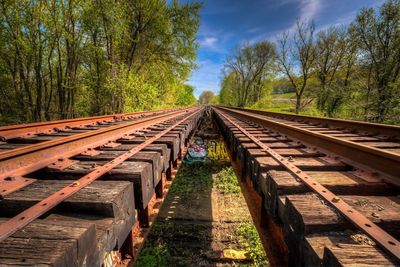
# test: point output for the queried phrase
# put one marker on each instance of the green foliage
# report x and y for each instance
(206, 97)
(350, 72)
(228, 93)
(249, 238)
(192, 178)
(226, 181)
(157, 255)
(62, 59)
(246, 71)
(378, 35)
(186, 96)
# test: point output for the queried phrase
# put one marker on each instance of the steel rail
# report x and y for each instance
(21, 130)
(20, 166)
(375, 128)
(384, 239)
(12, 169)
(27, 149)
(370, 157)
(19, 221)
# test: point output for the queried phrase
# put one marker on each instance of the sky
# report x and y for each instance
(226, 24)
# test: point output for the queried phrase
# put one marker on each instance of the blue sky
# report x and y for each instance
(226, 24)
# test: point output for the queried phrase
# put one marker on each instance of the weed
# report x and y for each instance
(157, 255)
(249, 238)
(192, 178)
(226, 181)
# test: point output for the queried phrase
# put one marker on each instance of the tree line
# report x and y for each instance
(69, 58)
(351, 70)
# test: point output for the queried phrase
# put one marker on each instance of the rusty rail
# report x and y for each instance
(27, 216)
(23, 150)
(20, 162)
(370, 157)
(28, 129)
(375, 128)
(385, 240)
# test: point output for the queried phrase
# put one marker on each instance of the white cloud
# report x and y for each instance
(209, 42)
(308, 12)
(308, 9)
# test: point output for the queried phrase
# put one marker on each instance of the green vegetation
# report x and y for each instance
(349, 72)
(208, 97)
(180, 242)
(226, 181)
(65, 59)
(192, 178)
(285, 103)
(249, 238)
(156, 255)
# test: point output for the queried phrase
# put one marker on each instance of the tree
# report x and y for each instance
(297, 61)
(335, 58)
(206, 97)
(250, 65)
(379, 37)
(227, 94)
(185, 96)
(62, 59)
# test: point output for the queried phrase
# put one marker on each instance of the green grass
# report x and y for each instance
(226, 181)
(284, 103)
(192, 178)
(249, 238)
(172, 242)
(158, 255)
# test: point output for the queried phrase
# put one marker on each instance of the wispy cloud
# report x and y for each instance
(309, 9)
(308, 12)
(226, 24)
(208, 42)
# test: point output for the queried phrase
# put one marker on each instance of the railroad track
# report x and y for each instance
(71, 191)
(30, 129)
(18, 137)
(329, 189)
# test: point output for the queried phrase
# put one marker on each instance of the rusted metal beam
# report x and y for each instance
(30, 214)
(384, 239)
(13, 183)
(39, 156)
(23, 130)
(370, 157)
(373, 128)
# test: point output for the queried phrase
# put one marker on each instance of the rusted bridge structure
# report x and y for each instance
(326, 191)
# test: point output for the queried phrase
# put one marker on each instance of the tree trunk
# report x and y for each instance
(298, 103)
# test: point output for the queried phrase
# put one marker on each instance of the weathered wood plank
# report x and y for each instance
(258, 165)
(171, 142)
(108, 235)
(384, 211)
(300, 220)
(344, 183)
(154, 158)
(139, 173)
(51, 243)
(314, 245)
(160, 148)
(103, 198)
(306, 164)
(346, 255)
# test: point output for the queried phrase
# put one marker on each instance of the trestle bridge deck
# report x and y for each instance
(73, 192)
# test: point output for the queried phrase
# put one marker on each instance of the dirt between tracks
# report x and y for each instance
(203, 215)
